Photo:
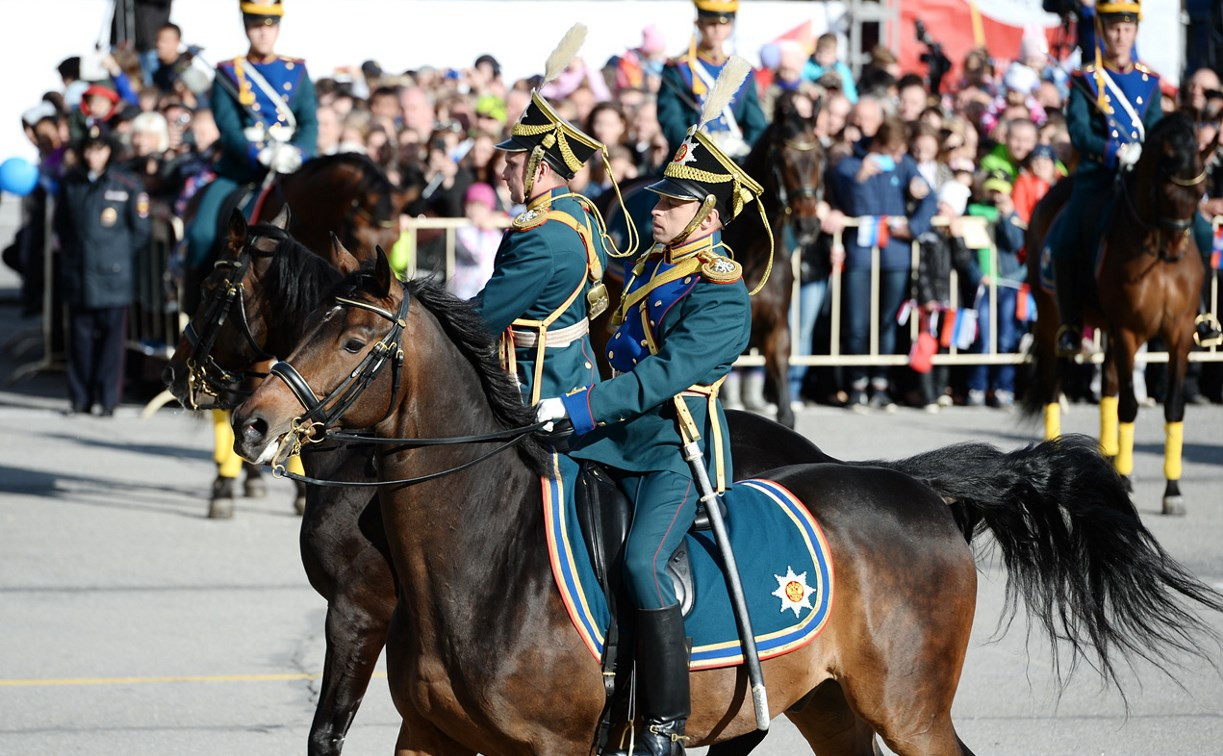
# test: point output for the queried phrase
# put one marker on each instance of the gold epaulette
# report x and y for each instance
(1143, 68)
(720, 270)
(529, 219)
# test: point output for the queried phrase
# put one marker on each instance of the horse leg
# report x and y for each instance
(1108, 396)
(420, 738)
(355, 635)
(1174, 417)
(1122, 346)
(1048, 377)
(829, 725)
(777, 362)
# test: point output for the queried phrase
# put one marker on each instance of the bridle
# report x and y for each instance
(804, 191)
(205, 376)
(312, 426)
(1163, 222)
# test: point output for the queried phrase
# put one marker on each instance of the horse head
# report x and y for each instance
(376, 205)
(225, 337)
(1172, 170)
(341, 357)
(798, 165)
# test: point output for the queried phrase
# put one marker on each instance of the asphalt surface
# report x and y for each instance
(130, 623)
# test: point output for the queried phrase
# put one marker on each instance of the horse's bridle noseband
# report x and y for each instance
(312, 426)
(783, 194)
(204, 375)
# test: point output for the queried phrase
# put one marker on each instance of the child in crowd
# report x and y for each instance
(1007, 272)
(1038, 174)
(825, 60)
(942, 251)
(476, 245)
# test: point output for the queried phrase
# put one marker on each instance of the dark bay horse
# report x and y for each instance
(788, 161)
(481, 653)
(1150, 277)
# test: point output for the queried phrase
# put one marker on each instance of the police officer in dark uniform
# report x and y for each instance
(688, 79)
(265, 109)
(102, 218)
(547, 275)
(684, 319)
(1113, 104)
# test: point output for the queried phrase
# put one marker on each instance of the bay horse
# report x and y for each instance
(1148, 284)
(480, 639)
(788, 161)
(276, 282)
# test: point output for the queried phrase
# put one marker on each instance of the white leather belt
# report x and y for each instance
(557, 337)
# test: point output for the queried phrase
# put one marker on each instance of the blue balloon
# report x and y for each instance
(18, 176)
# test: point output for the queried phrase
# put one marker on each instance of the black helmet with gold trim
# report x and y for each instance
(261, 12)
(565, 147)
(700, 172)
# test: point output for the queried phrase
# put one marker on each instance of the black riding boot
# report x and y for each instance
(1206, 330)
(662, 674)
(1070, 335)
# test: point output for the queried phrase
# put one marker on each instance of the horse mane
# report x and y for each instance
(296, 279)
(465, 328)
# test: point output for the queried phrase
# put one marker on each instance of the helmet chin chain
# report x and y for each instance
(528, 178)
(701, 213)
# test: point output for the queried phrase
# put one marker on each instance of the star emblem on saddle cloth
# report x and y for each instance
(793, 591)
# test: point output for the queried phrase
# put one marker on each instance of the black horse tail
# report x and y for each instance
(1075, 550)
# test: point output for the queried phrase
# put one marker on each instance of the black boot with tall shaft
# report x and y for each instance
(662, 672)
(1069, 308)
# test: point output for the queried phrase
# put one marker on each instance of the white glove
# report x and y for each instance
(1128, 154)
(549, 411)
(280, 157)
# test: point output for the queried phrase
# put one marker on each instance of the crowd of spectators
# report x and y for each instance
(989, 144)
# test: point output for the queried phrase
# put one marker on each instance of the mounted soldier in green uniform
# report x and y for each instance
(684, 319)
(547, 276)
(1113, 104)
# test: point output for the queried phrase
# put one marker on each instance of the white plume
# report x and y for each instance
(565, 52)
(728, 83)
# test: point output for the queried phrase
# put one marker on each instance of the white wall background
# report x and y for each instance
(403, 34)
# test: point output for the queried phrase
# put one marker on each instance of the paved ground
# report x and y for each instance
(132, 624)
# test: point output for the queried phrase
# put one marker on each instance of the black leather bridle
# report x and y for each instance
(313, 426)
(205, 376)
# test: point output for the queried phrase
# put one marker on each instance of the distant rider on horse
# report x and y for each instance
(264, 107)
(683, 320)
(1113, 104)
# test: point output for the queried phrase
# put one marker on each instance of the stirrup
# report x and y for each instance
(1206, 330)
(1074, 333)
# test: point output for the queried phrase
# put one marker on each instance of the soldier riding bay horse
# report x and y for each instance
(789, 160)
(255, 303)
(1148, 285)
(480, 636)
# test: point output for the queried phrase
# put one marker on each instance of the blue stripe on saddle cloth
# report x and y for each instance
(783, 559)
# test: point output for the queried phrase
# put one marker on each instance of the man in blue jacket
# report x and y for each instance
(876, 189)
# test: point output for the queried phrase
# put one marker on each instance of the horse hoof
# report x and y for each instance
(1174, 505)
(221, 509)
(254, 488)
(1128, 482)
(299, 504)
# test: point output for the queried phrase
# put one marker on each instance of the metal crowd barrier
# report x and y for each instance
(153, 323)
(442, 266)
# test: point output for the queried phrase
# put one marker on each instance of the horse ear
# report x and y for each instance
(237, 232)
(283, 218)
(382, 273)
(341, 259)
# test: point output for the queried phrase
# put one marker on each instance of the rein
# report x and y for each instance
(1175, 225)
(204, 375)
(312, 426)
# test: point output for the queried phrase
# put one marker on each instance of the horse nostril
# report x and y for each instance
(255, 429)
(167, 376)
